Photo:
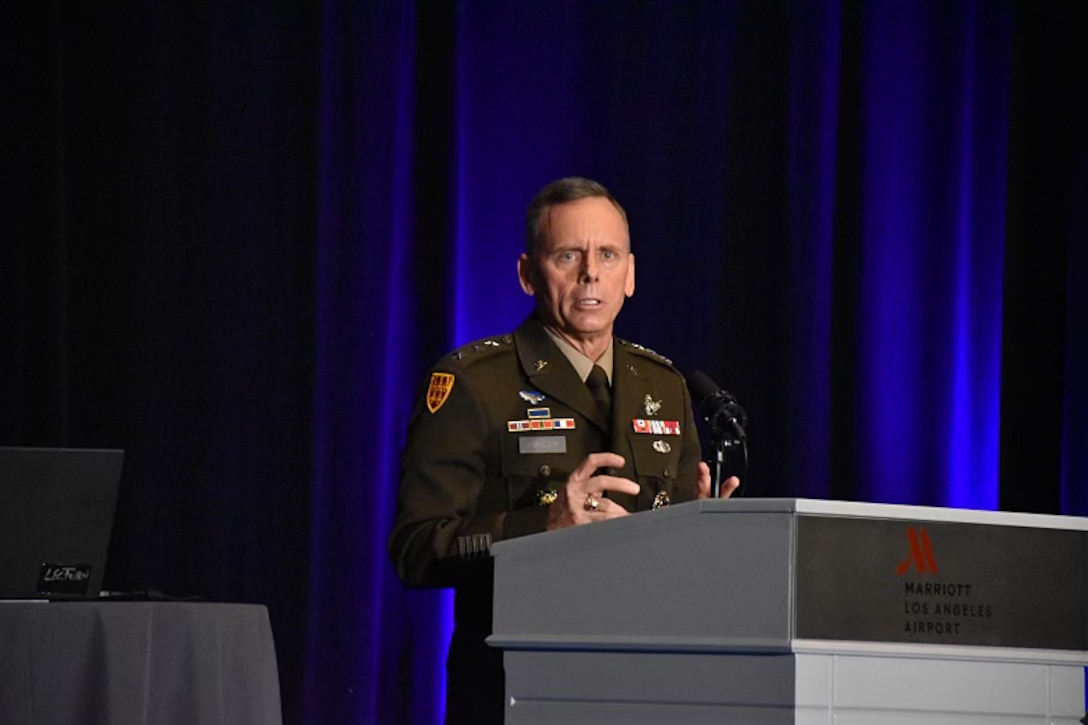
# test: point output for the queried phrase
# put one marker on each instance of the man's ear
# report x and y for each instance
(525, 274)
(629, 287)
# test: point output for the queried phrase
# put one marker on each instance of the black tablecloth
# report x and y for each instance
(137, 663)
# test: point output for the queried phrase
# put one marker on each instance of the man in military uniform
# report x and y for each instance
(556, 425)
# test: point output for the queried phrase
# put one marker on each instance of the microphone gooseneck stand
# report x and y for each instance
(724, 443)
(726, 420)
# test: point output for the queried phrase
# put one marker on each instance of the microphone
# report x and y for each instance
(727, 421)
(717, 406)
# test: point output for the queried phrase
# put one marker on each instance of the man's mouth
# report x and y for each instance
(588, 302)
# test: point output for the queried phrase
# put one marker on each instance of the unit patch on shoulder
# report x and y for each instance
(439, 390)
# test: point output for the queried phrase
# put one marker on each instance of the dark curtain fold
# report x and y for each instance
(158, 283)
(1044, 423)
(235, 237)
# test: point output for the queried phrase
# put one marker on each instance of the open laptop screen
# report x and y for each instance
(56, 517)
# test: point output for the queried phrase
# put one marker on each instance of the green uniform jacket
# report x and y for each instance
(476, 470)
(468, 480)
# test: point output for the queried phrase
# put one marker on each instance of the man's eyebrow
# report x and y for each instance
(577, 247)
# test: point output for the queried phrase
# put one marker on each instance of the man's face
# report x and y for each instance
(583, 269)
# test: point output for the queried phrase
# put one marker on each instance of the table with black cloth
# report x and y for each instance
(137, 663)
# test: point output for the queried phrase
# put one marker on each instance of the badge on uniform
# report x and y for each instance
(656, 427)
(532, 397)
(439, 391)
(546, 497)
(650, 405)
(519, 426)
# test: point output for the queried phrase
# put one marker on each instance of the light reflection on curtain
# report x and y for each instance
(932, 249)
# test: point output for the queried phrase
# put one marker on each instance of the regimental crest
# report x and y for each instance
(439, 391)
(651, 405)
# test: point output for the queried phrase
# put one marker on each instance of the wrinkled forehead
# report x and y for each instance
(590, 222)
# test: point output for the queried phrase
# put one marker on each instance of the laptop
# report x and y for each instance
(56, 517)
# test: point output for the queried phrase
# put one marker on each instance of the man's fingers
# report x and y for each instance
(598, 507)
(729, 485)
(703, 483)
(586, 477)
(597, 460)
(615, 483)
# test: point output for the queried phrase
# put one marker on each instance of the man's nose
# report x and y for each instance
(590, 268)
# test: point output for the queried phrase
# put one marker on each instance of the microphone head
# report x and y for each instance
(701, 386)
(717, 406)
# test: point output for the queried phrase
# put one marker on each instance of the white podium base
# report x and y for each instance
(818, 683)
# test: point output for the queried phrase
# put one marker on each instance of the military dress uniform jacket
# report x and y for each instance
(502, 424)
(517, 420)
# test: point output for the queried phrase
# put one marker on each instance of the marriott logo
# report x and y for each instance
(920, 555)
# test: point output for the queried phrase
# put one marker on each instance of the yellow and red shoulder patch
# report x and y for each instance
(439, 390)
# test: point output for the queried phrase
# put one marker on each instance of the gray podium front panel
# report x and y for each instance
(886, 580)
(760, 573)
(795, 611)
(656, 580)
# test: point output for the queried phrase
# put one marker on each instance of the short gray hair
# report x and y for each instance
(561, 191)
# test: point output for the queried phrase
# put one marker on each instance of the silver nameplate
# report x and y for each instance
(542, 444)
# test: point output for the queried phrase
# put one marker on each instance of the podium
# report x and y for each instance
(776, 611)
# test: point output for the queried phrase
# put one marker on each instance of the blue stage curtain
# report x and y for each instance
(374, 649)
(238, 235)
(817, 195)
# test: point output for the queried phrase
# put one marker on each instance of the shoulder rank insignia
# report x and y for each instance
(439, 390)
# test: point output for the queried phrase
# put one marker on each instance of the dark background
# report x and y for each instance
(235, 236)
